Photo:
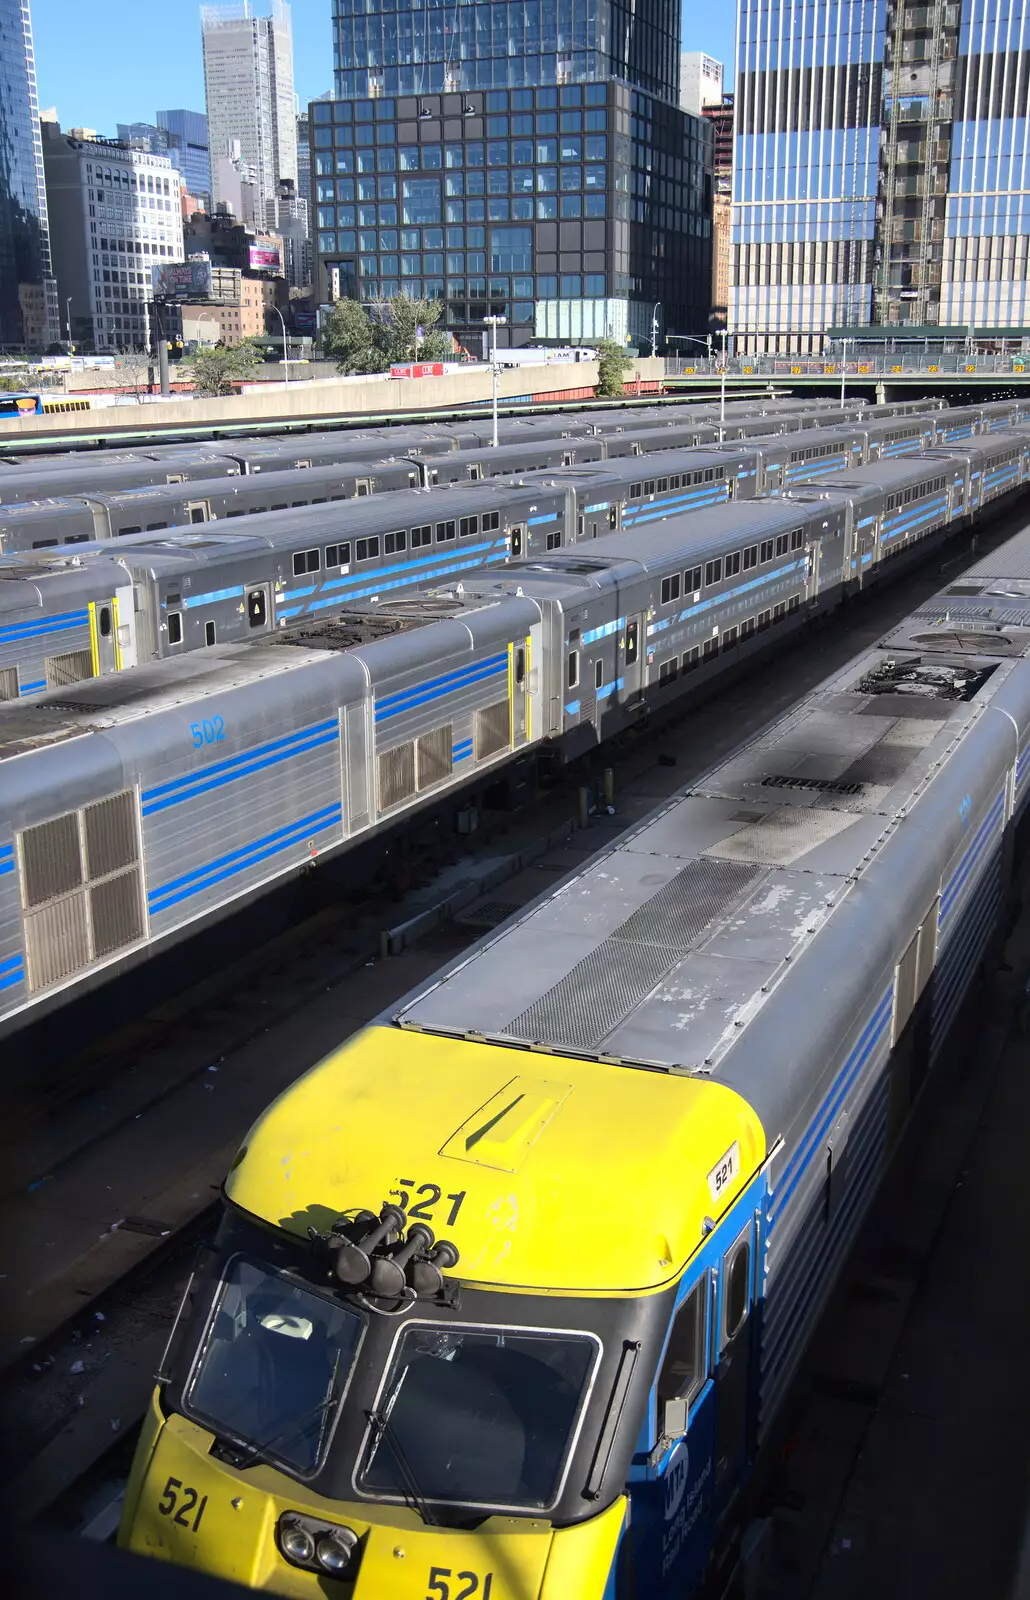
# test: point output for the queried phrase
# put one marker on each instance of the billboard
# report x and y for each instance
(183, 280)
(265, 258)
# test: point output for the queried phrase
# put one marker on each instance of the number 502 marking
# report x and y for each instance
(440, 1589)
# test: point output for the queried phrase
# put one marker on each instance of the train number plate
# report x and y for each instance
(725, 1172)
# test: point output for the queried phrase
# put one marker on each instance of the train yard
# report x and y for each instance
(116, 1154)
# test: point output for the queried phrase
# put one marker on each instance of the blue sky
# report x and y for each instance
(112, 61)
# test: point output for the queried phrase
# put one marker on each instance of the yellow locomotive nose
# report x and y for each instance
(260, 1529)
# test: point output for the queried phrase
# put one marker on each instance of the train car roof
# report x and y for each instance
(664, 950)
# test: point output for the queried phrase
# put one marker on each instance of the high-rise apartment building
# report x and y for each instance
(700, 81)
(530, 167)
(387, 47)
(28, 294)
(248, 79)
(880, 180)
(114, 215)
(720, 120)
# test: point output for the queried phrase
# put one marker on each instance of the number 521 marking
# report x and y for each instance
(424, 1210)
(191, 1502)
(469, 1584)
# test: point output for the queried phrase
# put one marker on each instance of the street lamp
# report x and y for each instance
(843, 366)
(494, 323)
(208, 316)
(286, 348)
(690, 338)
(724, 334)
(654, 327)
(68, 320)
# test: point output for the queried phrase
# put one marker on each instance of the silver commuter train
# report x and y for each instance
(136, 808)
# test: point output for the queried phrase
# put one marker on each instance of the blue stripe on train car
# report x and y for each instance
(981, 839)
(59, 623)
(809, 1147)
(12, 971)
(236, 861)
(462, 751)
(6, 858)
(394, 705)
(241, 766)
(36, 687)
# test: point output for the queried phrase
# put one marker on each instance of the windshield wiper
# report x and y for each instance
(258, 1450)
(385, 1432)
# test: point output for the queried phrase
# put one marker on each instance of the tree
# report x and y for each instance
(218, 368)
(612, 363)
(135, 373)
(371, 338)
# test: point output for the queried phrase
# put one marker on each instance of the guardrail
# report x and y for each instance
(873, 367)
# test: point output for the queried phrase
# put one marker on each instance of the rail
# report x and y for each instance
(890, 366)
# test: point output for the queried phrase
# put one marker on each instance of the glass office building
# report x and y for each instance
(28, 294)
(569, 210)
(389, 47)
(880, 169)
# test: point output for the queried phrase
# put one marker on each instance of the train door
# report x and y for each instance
(773, 476)
(518, 539)
(734, 1321)
(518, 682)
(197, 511)
(105, 637)
(362, 486)
(259, 608)
(631, 669)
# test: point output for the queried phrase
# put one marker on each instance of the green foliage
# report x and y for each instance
(371, 338)
(612, 364)
(15, 383)
(217, 370)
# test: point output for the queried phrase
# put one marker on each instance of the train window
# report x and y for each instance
(421, 536)
(713, 571)
(279, 506)
(319, 500)
(663, 485)
(445, 531)
(709, 474)
(750, 557)
(691, 658)
(598, 674)
(520, 665)
(684, 1366)
(554, 540)
(782, 541)
(392, 542)
(765, 552)
(209, 633)
(175, 627)
(105, 622)
(699, 477)
(632, 642)
(140, 530)
(649, 487)
(257, 608)
(572, 676)
(337, 555)
(240, 513)
(797, 539)
(764, 619)
(668, 670)
(779, 610)
(670, 589)
(467, 527)
(729, 638)
(692, 580)
(794, 602)
(732, 564)
(367, 549)
(337, 497)
(711, 648)
(491, 521)
(736, 1292)
(747, 628)
(298, 502)
(674, 481)
(635, 491)
(305, 561)
(152, 527)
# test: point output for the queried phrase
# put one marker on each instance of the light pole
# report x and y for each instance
(843, 366)
(691, 338)
(68, 320)
(286, 348)
(494, 323)
(724, 334)
(654, 327)
(208, 316)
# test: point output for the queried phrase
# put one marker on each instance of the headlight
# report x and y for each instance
(309, 1542)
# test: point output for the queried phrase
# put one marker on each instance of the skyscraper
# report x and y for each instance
(389, 48)
(700, 81)
(189, 147)
(248, 79)
(515, 163)
(28, 293)
(881, 152)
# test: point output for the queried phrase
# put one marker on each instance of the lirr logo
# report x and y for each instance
(676, 1482)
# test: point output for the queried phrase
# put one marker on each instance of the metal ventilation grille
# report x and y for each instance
(396, 775)
(81, 888)
(51, 861)
(70, 668)
(9, 683)
(583, 1007)
(434, 756)
(493, 730)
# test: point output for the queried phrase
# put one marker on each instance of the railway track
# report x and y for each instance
(103, 1230)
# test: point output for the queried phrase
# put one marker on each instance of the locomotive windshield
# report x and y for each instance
(478, 1416)
(273, 1366)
